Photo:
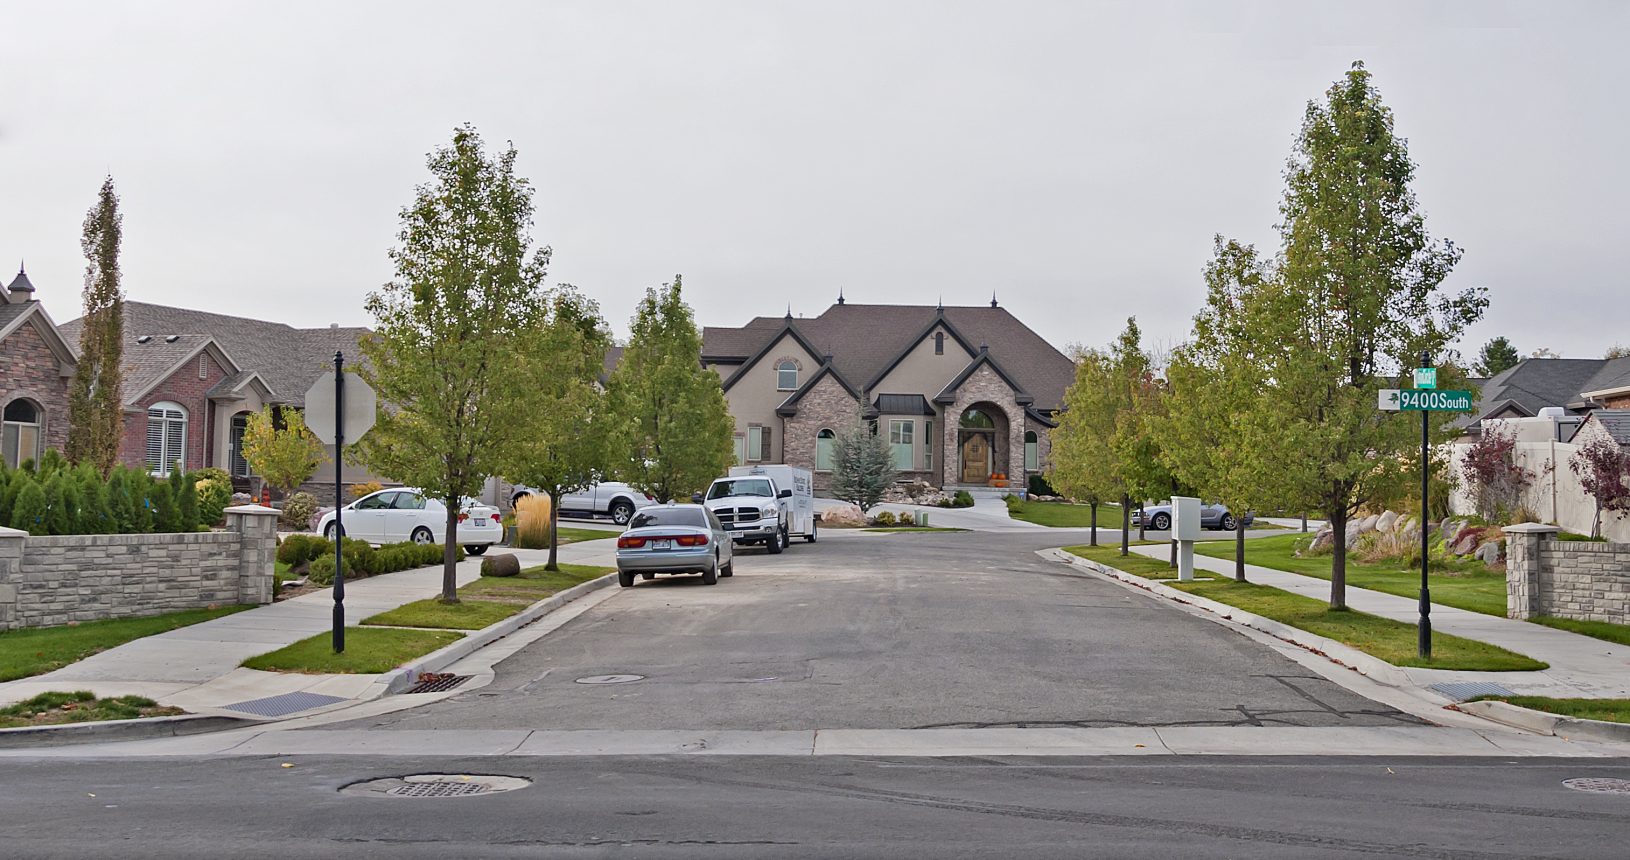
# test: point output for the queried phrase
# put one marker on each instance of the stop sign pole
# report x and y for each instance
(339, 502)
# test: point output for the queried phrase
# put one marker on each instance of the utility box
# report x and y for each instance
(1185, 530)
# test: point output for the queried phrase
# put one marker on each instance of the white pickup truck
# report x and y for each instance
(767, 505)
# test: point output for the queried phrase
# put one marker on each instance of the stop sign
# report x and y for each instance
(359, 406)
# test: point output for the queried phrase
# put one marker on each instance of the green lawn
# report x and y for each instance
(35, 651)
(1392, 641)
(1135, 564)
(533, 583)
(368, 651)
(1610, 710)
(572, 535)
(464, 615)
(1464, 585)
(80, 706)
(1606, 630)
(489, 599)
(1065, 515)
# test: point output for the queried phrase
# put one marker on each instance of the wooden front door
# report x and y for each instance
(976, 459)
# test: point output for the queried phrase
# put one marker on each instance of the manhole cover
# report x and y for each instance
(610, 679)
(1599, 784)
(436, 785)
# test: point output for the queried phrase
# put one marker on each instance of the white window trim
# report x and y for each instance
(907, 438)
(928, 444)
(172, 445)
(786, 365)
(37, 425)
(755, 436)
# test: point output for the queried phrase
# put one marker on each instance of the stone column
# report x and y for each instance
(11, 573)
(1522, 568)
(256, 527)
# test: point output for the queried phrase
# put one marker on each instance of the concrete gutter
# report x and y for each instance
(1541, 722)
(107, 731)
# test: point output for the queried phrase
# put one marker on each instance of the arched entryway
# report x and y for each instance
(981, 443)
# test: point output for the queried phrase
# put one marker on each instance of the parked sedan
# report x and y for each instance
(1211, 517)
(406, 514)
(674, 539)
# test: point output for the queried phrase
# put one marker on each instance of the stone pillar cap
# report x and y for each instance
(254, 510)
(1531, 529)
(12, 533)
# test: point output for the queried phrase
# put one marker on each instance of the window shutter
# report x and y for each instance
(768, 451)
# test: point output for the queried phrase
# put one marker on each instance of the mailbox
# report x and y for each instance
(1185, 518)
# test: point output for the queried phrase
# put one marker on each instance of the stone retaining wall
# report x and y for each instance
(1567, 579)
(48, 581)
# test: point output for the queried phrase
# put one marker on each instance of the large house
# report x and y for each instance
(36, 369)
(961, 393)
(1568, 388)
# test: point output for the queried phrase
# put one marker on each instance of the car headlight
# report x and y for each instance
(771, 510)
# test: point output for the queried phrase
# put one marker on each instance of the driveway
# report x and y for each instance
(870, 630)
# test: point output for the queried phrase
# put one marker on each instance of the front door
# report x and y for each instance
(975, 459)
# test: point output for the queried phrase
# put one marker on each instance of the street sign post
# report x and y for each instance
(1425, 399)
(329, 421)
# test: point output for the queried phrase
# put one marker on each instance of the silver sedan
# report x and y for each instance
(674, 539)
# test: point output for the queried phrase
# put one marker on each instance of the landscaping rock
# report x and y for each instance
(848, 515)
(501, 565)
(1408, 525)
(1451, 528)
(1466, 544)
(1367, 525)
(1490, 553)
(1323, 541)
(1386, 522)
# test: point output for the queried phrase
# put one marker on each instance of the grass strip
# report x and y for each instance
(464, 615)
(1065, 515)
(533, 583)
(1604, 630)
(80, 706)
(1464, 585)
(1607, 710)
(368, 651)
(1389, 640)
(38, 650)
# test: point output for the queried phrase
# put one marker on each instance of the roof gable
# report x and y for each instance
(948, 394)
(789, 406)
(788, 330)
(147, 365)
(32, 314)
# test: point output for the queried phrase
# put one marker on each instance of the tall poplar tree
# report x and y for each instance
(448, 332)
(672, 422)
(95, 414)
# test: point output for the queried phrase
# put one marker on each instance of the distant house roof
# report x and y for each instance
(1615, 421)
(287, 359)
(1535, 383)
(1614, 377)
(864, 340)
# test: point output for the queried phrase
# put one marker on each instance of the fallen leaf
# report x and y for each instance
(88, 794)
(286, 764)
(1137, 746)
(1389, 770)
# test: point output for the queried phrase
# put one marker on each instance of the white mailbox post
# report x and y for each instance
(1185, 530)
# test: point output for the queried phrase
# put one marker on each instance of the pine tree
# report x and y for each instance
(862, 466)
(1496, 356)
(10, 485)
(94, 516)
(122, 502)
(59, 515)
(142, 489)
(186, 500)
(95, 411)
(165, 515)
(29, 512)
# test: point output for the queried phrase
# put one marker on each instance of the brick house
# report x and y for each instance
(961, 393)
(36, 371)
(192, 378)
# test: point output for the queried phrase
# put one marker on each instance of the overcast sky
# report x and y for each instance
(1075, 158)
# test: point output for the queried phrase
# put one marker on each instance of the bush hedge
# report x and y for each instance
(314, 556)
(55, 497)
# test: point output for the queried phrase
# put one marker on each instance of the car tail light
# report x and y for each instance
(691, 540)
(496, 517)
(463, 517)
(630, 542)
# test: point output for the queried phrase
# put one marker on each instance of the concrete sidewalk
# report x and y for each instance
(1581, 666)
(197, 667)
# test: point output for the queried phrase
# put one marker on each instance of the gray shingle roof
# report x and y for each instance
(864, 339)
(1615, 373)
(288, 359)
(1536, 383)
(1616, 422)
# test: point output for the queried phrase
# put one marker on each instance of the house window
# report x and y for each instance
(977, 420)
(166, 438)
(786, 375)
(1031, 451)
(758, 443)
(824, 442)
(22, 432)
(939, 343)
(741, 449)
(900, 432)
(928, 445)
(239, 465)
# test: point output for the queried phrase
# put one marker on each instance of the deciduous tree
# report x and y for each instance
(95, 410)
(278, 447)
(1603, 469)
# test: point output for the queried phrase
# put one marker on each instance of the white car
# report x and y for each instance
(613, 499)
(406, 514)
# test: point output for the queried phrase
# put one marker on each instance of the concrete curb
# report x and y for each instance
(1336, 652)
(119, 730)
(402, 677)
(1541, 722)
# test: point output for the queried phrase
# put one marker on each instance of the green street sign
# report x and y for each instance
(1431, 400)
(1426, 377)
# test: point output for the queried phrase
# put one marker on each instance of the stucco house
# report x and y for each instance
(961, 393)
(36, 369)
(1568, 387)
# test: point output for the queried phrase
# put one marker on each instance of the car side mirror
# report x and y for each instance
(784, 494)
(696, 498)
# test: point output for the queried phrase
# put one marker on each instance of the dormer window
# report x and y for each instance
(786, 375)
(939, 343)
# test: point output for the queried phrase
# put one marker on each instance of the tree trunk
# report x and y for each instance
(449, 554)
(554, 532)
(1239, 550)
(1126, 530)
(1338, 557)
(1094, 524)
(1143, 523)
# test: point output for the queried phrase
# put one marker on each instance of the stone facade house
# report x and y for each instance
(36, 370)
(961, 393)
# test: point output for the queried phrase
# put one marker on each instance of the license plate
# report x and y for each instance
(660, 544)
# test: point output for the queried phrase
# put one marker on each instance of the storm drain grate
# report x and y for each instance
(1460, 691)
(1603, 785)
(432, 683)
(288, 703)
(436, 785)
(438, 789)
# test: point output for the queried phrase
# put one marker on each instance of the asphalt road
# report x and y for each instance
(830, 808)
(895, 631)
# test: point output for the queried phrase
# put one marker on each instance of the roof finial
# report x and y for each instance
(940, 306)
(789, 310)
(993, 298)
(840, 295)
(984, 347)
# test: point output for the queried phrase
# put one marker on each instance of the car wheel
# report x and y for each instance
(1161, 522)
(329, 532)
(786, 538)
(475, 549)
(773, 544)
(1229, 523)
(625, 578)
(711, 575)
(422, 535)
(729, 568)
(814, 528)
(622, 511)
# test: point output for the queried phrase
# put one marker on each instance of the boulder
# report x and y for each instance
(1387, 522)
(1450, 528)
(1465, 544)
(1490, 553)
(1353, 531)
(1323, 541)
(1367, 525)
(845, 515)
(500, 565)
(1408, 525)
